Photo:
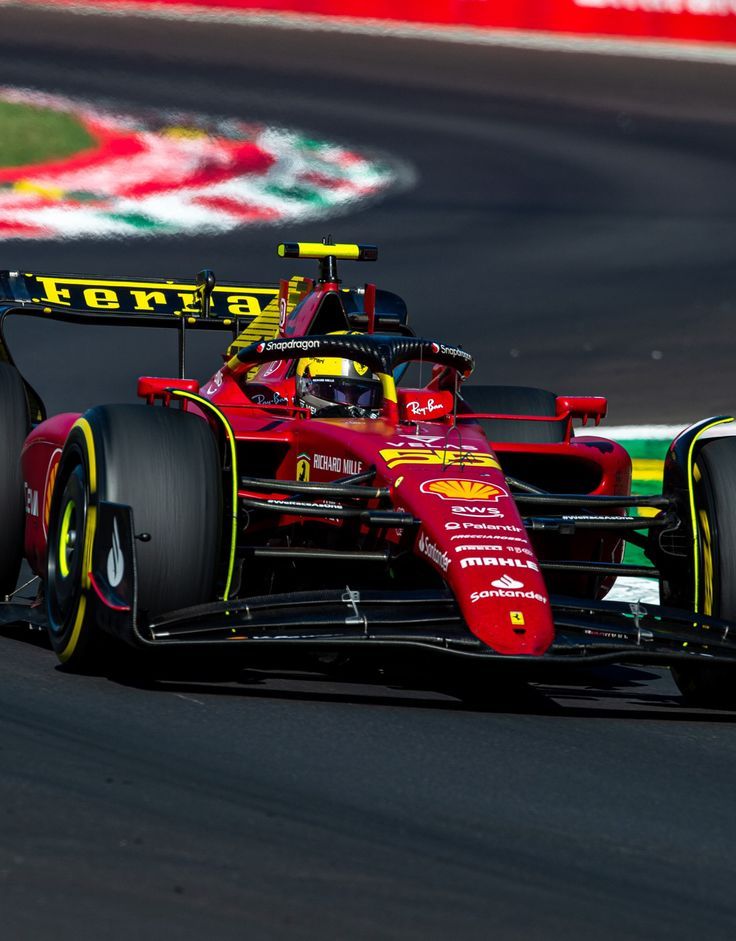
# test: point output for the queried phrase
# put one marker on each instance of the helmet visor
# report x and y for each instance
(365, 393)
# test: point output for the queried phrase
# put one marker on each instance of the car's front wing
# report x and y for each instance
(428, 620)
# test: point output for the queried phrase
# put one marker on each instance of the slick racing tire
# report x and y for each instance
(516, 400)
(14, 427)
(714, 483)
(162, 462)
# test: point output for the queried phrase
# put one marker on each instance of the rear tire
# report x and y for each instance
(714, 474)
(14, 427)
(516, 400)
(164, 463)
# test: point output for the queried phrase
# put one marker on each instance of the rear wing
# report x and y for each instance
(156, 303)
(248, 312)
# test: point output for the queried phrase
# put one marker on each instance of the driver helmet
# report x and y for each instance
(330, 386)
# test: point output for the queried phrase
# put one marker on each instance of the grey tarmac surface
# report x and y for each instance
(578, 211)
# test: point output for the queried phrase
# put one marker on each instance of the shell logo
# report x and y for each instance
(454, 488)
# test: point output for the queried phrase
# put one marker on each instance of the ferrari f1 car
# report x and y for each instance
(339, 494)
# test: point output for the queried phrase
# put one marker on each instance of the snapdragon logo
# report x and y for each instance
(451, 351)
(287, 345)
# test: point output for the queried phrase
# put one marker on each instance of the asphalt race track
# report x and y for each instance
(571, 216)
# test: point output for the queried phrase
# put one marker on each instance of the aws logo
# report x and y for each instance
(456, 488)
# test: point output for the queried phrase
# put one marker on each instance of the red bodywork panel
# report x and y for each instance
(40, 461)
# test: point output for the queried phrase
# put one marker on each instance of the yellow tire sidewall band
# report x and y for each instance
(693, 511)
(204, 403)
(89, 537)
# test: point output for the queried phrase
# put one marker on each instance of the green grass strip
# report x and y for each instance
(36, 135)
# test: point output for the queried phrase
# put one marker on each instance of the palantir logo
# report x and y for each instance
(115, 559)
(506, 581)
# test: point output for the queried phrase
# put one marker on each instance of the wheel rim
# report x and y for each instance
(68, 538)
(66, 551)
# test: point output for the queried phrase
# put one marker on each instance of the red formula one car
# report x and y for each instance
(338, 495)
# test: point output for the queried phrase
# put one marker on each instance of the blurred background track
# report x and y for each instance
(574, 222)
(572, 216)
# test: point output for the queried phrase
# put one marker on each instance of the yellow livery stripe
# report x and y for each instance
(205, 403)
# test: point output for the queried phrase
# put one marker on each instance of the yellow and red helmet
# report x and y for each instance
(329, 385)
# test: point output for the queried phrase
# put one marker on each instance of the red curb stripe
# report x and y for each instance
(12, 229)
(243, 159)
(243, 212)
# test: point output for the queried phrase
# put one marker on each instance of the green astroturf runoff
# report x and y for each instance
(35, 135)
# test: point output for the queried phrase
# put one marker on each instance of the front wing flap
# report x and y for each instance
(586, 631)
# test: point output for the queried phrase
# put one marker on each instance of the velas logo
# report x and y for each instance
(445, 457)
(457, 488)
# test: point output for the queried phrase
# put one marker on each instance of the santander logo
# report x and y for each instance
(506, 581)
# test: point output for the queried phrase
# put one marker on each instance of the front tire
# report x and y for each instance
(714, 482)
(14, 427)
(164, 463)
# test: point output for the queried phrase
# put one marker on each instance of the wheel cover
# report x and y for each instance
(66, 553)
